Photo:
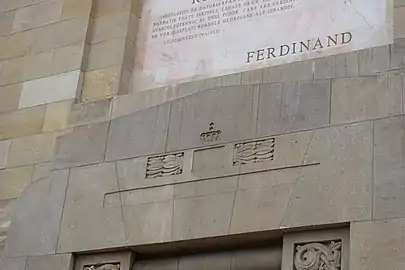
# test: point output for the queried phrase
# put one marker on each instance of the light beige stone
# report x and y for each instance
(85, 146)
(89, 112)
(357, 99)
(190, 88)
(205, 216)
(389, 168)
(64, 33)
(39, 210)
(110, 27)
(32, 149)
(49, 262)
(16, 45)
(108, 7)
(324, 67)
(6, 23)
(41, 170)
(76, 8)
(374, 60)
(252, 77)
(33, 61)
(345, 156)
(4, 150)
(68, 58)
(268, 179)
(56, 115)
(9, 97)
(148, 222)
(207, 187)
(105, 54)
(50, 89)
(260, 209)
(14, 181)
(14, 263)
(377, 245)
(102, 83)
(27, 18)
(204, 261)
(21, 123)
(399, 21)
(126, 104)
(212, 160)
(84, 208)
(12, 71)
(346, 65)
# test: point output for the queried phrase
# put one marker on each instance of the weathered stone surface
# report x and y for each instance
(256, 181)
(41, 170)
(389, 168)
(87, 224)
(86, 145)
(12, 71)
(6, 208)
(211, 160)
(102, 83)
(50, 89)
(4, 150)
(32, 149)
(398, 54)
(201, 262)
(105, 54)
(345, 156)
(9, 97)
(230, 109)
(56, 115)
(147, 223)
(204, 188)
(205, 216)
(324, 67)
(16, 45)
(26, 18)
(109, 7)
(14, 263)
(50, 262)
(291, 107)
(85, 113)
(399, 21)
(260, 209)
(257, 259)
(37, 217)
(31, 63)
(168, 264)
(76, 8)
(377, 245)
(6, 23)
(68, 58)
(110, 27)
(374, 60)
(21, 123)
(14, 181)
(138, 134)
(357, 99)
(346, 65)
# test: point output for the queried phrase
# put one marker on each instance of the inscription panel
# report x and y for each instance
(185, 40)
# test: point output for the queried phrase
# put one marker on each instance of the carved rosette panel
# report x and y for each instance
(164, 165)
(251, 152)
(318, 256)
(107, 266)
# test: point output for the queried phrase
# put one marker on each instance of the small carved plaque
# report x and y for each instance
(164, 165)
(318, 256)
(107, 266)
(251, 152)
(211, 135)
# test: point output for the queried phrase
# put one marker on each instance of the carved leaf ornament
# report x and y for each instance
(164, 165)
(253, 152)
(103, 267)
(318, 256)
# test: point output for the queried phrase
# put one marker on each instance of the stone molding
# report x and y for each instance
(105, 261)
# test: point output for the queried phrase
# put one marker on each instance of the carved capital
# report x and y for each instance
(318, 256)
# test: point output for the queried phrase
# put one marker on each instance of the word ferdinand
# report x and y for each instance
(299, 47)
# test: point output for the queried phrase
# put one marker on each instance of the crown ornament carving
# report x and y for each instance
(211, 135)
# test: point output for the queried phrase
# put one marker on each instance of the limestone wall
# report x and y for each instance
(337, 125)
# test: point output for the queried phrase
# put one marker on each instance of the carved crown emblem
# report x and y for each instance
(211, 135)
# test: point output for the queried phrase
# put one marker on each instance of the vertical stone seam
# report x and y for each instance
(255, 107)
(63, 211)
(330, 101)
(121, 206)
(373, 170)
(297, 180)
(234, 199)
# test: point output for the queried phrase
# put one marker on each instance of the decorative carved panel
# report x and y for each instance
(318, 256)
(164, 165)
(252, 152)
(211, 135)
(106, 266)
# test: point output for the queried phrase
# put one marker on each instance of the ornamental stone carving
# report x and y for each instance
(211, 135)
(103, 267)
(164, 165)
(318, 256)
(251, 152)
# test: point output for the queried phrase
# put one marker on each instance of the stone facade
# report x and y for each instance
(291, 160)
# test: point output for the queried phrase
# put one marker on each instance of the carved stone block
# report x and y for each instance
(316, 250)
(164, 165)
(107, 266)
(252, 152)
